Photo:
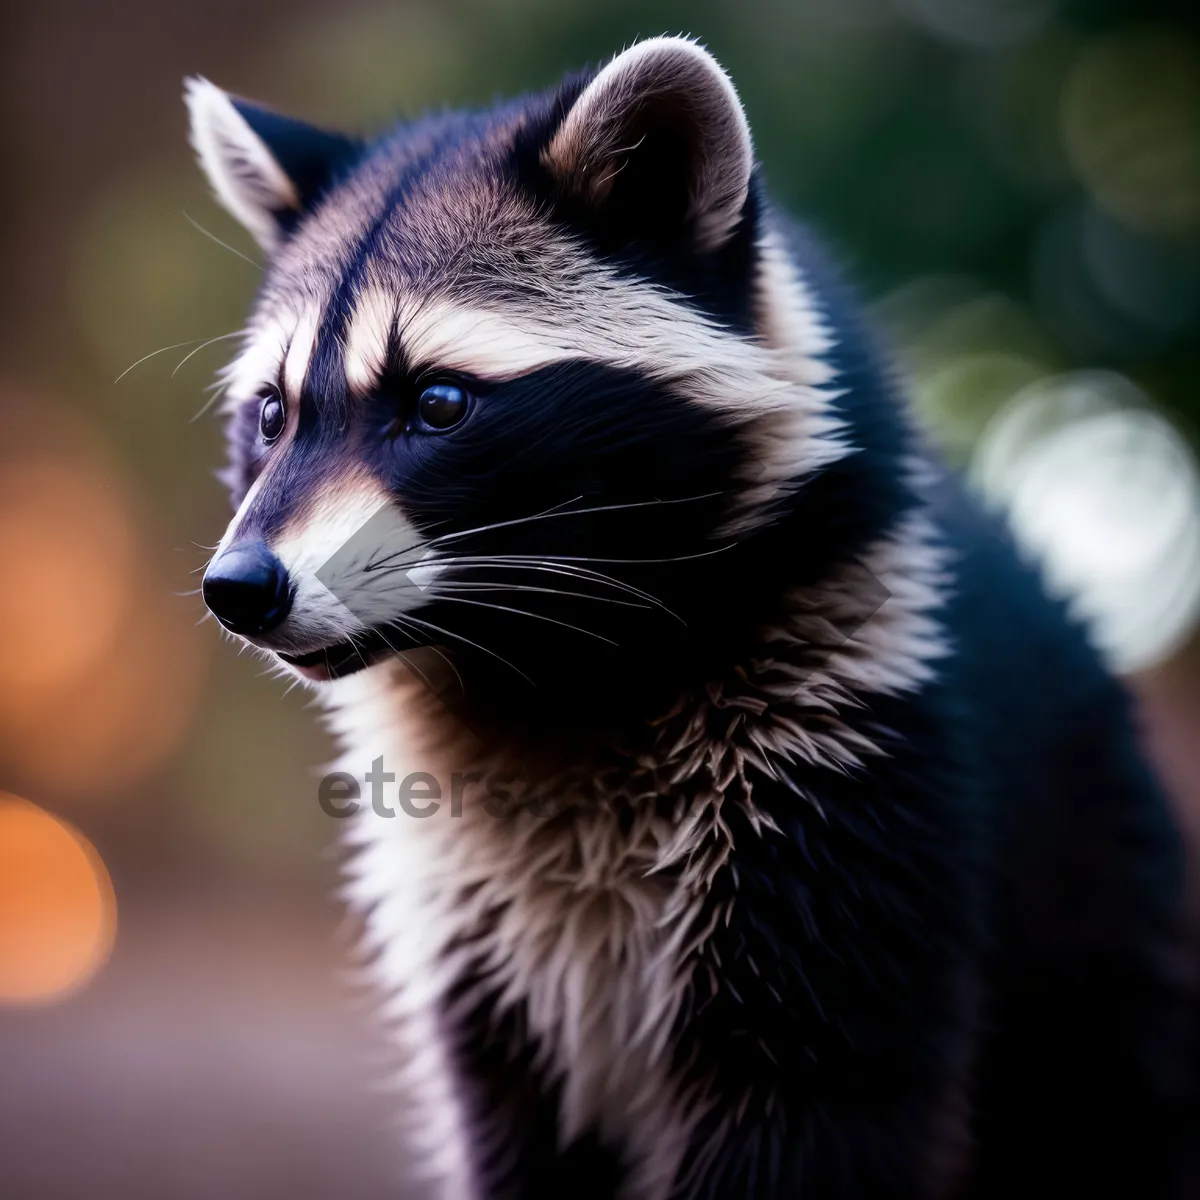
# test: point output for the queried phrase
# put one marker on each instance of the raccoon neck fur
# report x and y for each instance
(570, 872)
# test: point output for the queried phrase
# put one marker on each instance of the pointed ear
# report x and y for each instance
(266, 169)
(657, 146)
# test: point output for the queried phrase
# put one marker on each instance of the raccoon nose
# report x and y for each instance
(246, 587)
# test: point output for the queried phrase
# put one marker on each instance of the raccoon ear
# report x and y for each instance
(266, 169)
(657, 145)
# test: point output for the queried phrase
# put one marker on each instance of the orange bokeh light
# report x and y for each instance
(70, 556)
(58, 914)
(100, 666)
(104, 731)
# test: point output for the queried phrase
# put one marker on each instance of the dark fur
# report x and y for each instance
(958, 967)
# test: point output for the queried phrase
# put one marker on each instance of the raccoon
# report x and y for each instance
(745, 820)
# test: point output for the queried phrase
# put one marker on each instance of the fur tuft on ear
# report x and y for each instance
(658, 145)
(266, 169)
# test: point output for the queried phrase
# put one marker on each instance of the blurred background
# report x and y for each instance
(1013, 184)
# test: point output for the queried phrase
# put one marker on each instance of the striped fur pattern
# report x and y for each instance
(750, 766)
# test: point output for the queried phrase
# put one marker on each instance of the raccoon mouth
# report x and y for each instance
(345, 658)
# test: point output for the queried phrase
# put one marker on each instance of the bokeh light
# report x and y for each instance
(1111, 292)
(112, 726)
(965, 350)
(1105, 494)
(1131, 127)
(959, 396)
(980, 24)
(100, 666)
(1155, 286)
(58, 913)
(69, 563)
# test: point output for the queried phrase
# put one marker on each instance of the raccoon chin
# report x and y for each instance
(340, 659)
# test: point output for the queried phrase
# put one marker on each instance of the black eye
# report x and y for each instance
(271, 418)
(442, 406)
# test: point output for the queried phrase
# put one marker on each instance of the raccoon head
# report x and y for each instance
(532, 385)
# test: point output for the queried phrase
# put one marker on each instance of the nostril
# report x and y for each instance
(246, 587)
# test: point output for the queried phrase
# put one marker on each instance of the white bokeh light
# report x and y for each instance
(1104, 492)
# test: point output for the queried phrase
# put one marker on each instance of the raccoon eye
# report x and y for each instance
(441, 406)
(271, 418)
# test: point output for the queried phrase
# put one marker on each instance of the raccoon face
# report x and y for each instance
(522, 385)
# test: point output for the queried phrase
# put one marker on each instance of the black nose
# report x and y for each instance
(246, 587)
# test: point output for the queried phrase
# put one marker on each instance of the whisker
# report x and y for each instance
(546, 515)
(408, 662)
(404, 654)
(570, 572)
(362, 658)
(412, 666)
(223, 337)
(421, 544)
(567, 570)
(522, 612)
(155, 353)
(206, 406)
(450, 663)
(224, 245)
(568, 558)
(572, 558)
(552, 514)
(459, 586)
(467, 641)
